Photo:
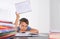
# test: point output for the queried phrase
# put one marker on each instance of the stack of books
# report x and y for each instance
(6, 29)
(54, 35)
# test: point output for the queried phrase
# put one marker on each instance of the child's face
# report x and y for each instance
(23, 26)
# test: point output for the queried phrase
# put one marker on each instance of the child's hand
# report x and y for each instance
(17, 15)
(34, 31)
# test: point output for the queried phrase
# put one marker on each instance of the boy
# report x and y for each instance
(22, 26)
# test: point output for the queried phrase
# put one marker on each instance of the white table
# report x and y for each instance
(29, 36)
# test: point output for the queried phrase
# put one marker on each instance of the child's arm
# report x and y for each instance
(17, 20)
(34, 31)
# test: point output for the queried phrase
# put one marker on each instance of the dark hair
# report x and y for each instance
(24, 20)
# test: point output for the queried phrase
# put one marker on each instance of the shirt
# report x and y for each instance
(28, 28)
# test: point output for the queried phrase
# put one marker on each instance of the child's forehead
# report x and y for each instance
(22, 23)
(23, 26)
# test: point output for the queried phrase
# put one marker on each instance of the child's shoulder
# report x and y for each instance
(28, 28)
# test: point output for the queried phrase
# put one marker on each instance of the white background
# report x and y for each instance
(39, 18)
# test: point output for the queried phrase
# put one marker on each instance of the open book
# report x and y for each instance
(26, 34)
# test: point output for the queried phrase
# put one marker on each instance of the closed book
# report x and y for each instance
(6, 27)
(6, 33)
(5, 24)
(3, 21)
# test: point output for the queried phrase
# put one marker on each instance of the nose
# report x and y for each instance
(22, 25)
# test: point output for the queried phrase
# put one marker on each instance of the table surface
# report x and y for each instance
(28, 34)
(25, 36)
(40, 37)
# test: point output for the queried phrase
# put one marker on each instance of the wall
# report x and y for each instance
(39, 17)
(55, 15)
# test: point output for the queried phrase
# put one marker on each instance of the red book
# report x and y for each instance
(7, 36)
